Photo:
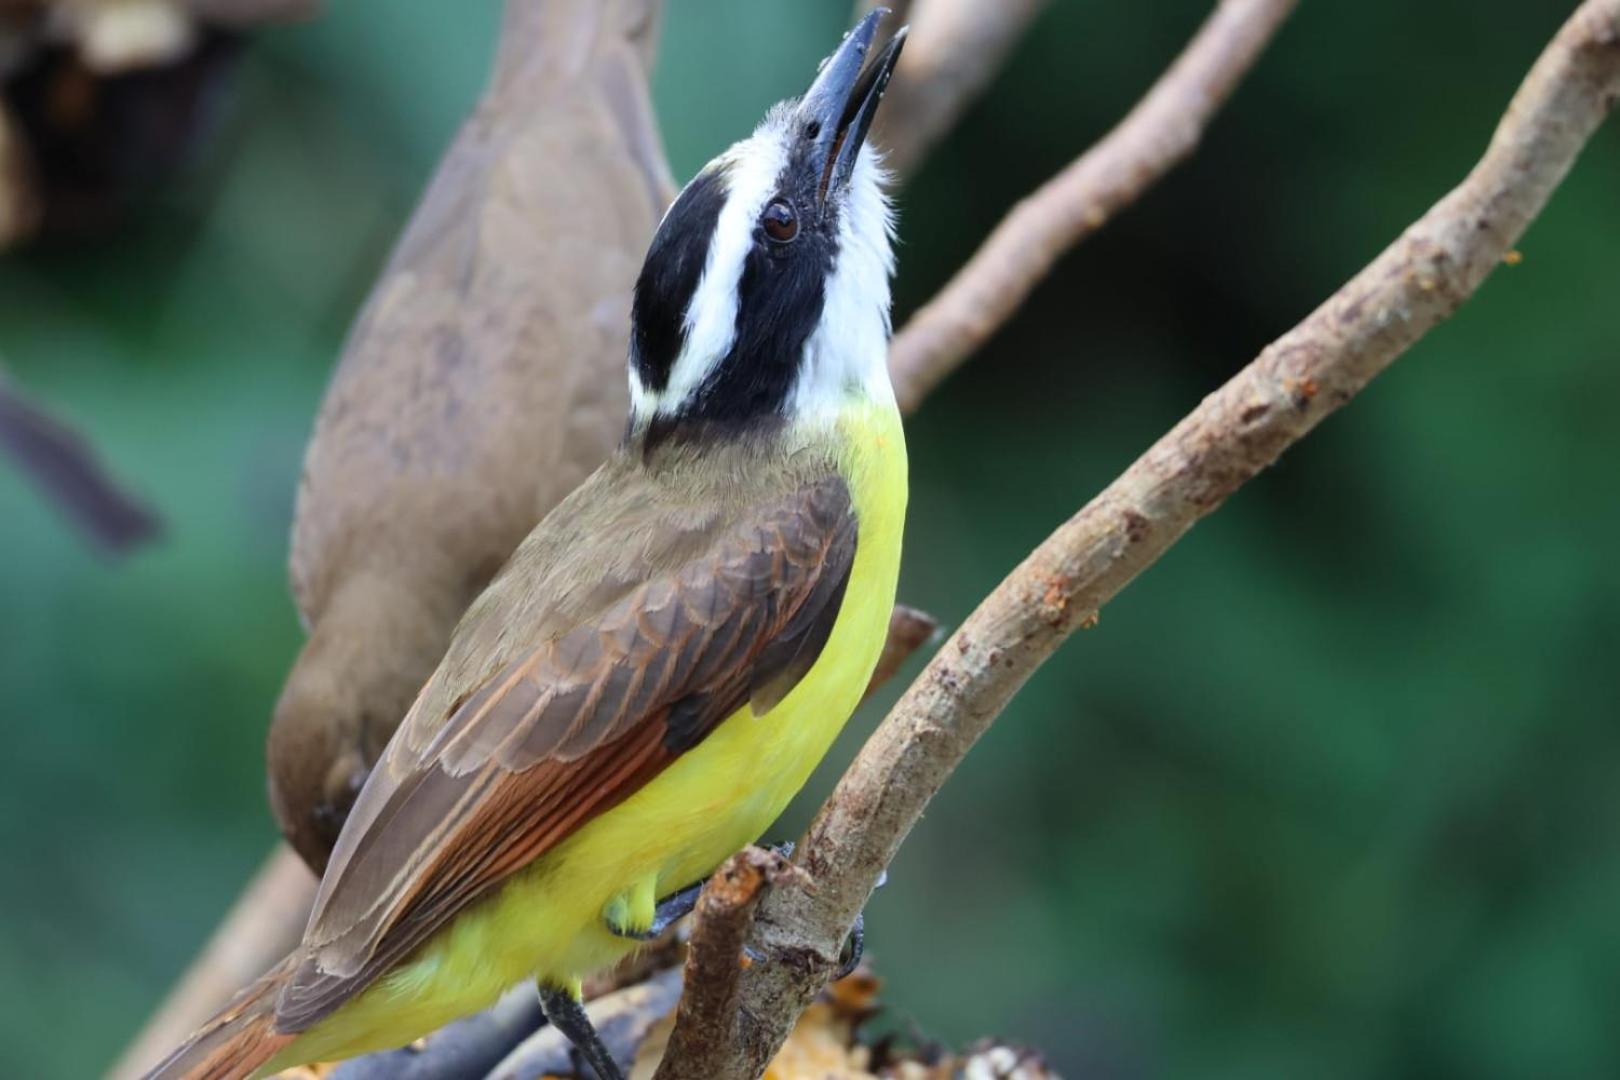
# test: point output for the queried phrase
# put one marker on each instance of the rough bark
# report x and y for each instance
(715, 961)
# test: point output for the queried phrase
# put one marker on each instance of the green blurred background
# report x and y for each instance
(1330, 792)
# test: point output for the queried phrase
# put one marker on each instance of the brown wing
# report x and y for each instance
(568, 730)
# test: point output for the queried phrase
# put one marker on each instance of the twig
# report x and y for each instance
(259, 929)
(623, 1018)
(64, 467)
(1233, 434)
(464, 1050)
(714, 960)
(908, 629)
(955, 49)
(1159, 132)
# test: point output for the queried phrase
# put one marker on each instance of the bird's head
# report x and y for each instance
(765, 292)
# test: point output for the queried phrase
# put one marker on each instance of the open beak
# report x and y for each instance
(837, 110)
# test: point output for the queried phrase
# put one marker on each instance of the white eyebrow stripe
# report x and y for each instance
(753, 168)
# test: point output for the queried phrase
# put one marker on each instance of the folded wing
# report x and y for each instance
(569, 728)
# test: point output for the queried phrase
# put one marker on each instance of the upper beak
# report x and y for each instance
(837, 110)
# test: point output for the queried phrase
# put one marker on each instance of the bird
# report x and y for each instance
(664, 660)
(482, 382)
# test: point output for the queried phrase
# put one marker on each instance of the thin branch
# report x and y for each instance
(955, 49)
(468, 1048)
(908, 630)
(1231, 436)
(65, 469)
(623, 1018)
(714, 960)
(1160, 132)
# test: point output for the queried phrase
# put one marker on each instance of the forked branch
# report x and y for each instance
(1231, 436)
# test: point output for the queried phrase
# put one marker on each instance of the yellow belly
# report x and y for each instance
(547, 922)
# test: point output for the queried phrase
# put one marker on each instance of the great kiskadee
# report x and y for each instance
(665, 659)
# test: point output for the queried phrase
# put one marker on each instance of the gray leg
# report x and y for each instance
(567, 1015)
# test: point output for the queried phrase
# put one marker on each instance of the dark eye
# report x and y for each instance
(781, 223)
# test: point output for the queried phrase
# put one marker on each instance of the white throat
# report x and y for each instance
(848, 353)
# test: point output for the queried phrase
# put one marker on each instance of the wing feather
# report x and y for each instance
(569, 728)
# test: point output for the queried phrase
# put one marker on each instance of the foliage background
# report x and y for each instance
(1330, 792)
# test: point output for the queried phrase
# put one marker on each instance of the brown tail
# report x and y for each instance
(239, 1040)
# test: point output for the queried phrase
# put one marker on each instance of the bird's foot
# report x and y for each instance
(855, 944)
(678, 905)
(849, 958)
(666, 913)
(565, 1013)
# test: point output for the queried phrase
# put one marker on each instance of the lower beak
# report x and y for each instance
(836, 112)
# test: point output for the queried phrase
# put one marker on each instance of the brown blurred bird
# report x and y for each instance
(482, 382)
(667, 656)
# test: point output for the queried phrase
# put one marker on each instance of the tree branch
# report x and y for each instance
(464, 1050)
(908, 630)
(714, 959)
(1243, 427)
(1160, 132)
(65, 468)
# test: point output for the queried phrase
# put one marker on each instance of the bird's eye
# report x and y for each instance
(781, 223)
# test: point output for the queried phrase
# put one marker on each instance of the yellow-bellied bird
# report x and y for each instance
(668, 655)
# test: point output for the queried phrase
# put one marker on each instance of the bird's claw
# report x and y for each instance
(677, 905)
(855, 944)
(854, 949)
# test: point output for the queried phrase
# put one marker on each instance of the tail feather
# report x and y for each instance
(239, 1041)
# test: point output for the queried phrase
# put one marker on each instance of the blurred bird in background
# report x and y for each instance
(482, 382)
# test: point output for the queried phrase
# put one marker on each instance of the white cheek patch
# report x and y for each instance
(752, 168)
(848, 351)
